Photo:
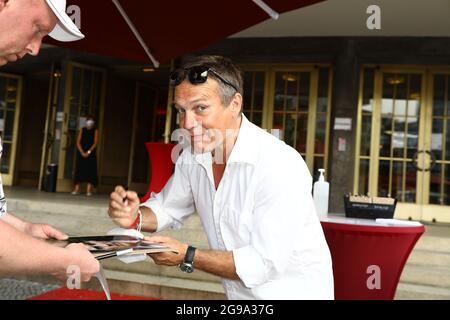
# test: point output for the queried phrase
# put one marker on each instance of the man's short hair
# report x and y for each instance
(224, 67)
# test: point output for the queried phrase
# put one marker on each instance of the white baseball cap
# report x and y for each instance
(65, 30)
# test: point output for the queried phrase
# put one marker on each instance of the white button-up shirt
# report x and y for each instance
(262, 211)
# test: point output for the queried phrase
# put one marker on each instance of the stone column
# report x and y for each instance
(344, 105)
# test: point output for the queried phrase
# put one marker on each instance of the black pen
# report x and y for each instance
(114, 254)
(126, 189)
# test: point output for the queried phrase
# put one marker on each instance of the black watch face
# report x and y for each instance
(187, 268)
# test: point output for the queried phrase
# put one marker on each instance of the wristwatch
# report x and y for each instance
(188, 264)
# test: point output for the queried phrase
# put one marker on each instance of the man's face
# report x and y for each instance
(203, 114)
(23, 24)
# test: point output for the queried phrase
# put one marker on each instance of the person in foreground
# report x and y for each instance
(251, 191)
(23, 24)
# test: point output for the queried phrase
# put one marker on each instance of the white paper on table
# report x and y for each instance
(394, 222)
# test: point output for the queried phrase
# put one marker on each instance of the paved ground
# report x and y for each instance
(11, 289)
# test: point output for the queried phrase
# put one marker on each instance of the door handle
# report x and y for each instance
(416, 156)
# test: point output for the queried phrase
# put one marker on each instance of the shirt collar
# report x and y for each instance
(245, 148)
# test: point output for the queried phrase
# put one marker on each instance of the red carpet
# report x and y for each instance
(68, 294)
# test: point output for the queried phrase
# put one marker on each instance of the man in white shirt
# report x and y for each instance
(251, 190)
(23, 24)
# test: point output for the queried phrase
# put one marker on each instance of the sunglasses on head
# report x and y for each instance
(196, 75)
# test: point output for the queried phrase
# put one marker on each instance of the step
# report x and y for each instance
(75, 206)
(435, 276)
(206, 287)
(59, 206)
(430, 258)
(409, 291)
(191, 233)
(70, 224)
(433, 243)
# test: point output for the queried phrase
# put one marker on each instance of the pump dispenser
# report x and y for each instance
(321, 195)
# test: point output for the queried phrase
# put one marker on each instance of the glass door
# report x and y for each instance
(300, 109)
(10, 95)
(437, 140)
(254, 95)
(402, 138)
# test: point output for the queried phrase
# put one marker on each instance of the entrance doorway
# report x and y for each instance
(10, 95)
(83, 95)
(404, 139)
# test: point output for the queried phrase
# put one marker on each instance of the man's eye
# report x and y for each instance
(180, 111)
(201, 108)
(37, 33)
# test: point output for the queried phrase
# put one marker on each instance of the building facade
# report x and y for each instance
(373, 111)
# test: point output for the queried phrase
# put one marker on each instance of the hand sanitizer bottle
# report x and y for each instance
(321, 194)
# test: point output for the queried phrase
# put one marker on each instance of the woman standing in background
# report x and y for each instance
(86, 170)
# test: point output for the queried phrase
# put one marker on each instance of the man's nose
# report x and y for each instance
(189, 120)
(34, 46)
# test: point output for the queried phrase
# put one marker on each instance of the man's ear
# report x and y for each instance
(236, 105)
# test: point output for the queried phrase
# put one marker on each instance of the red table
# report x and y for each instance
(366, 254)
(68, 294)
(161, 166)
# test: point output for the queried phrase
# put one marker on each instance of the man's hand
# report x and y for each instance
(123, 207)
(44, 231)
(76, 254)
(168, 258)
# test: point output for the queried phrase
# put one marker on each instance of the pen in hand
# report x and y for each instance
(114, 254)
(125, 202)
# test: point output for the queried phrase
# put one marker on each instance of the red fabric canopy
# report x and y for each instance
(169, 28)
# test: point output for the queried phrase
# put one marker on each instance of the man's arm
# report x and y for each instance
(219, 263)
(42, 231)
(149, 221)
(16, 222)
(21, 254)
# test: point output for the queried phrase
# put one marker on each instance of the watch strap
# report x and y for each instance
(190, 253)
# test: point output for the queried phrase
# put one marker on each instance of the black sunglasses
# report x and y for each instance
(196, 75)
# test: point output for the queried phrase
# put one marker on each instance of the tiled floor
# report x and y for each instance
(11, 289)
(100, 200)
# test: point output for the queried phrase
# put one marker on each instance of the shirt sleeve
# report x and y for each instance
(3, 208)
(175, 201)
(283, 201)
